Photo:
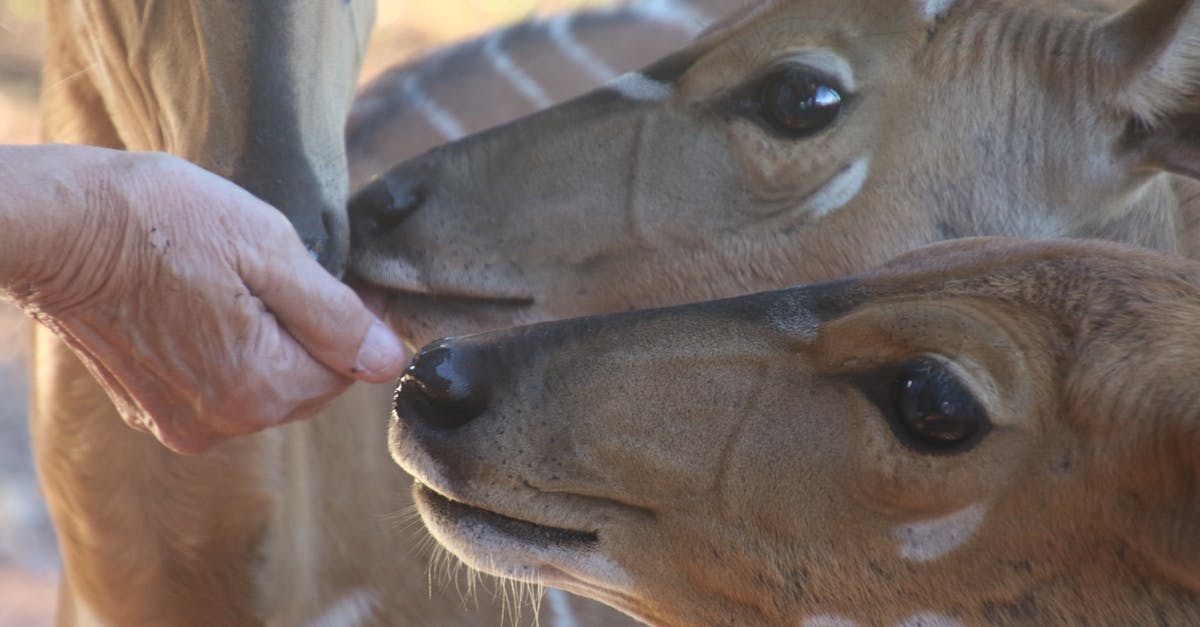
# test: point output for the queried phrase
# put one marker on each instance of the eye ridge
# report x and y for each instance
(932, 411)
(796, 102)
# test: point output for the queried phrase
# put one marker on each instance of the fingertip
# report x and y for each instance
(381, 356)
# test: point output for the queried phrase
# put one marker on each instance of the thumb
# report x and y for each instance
(322, 314)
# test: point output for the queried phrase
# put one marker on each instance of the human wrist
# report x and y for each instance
(57, 207)
(27, 220)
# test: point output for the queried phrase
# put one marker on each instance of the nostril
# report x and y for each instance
(404, 200)
(315, 245)
(439, 390)
(332, 249)
(384, 203)
(327, 247)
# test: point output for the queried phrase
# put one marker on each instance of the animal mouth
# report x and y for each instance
(423, 317)
(443, 511)
(400, 280)
(462, 299)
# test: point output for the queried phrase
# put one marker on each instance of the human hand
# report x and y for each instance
(192, 302)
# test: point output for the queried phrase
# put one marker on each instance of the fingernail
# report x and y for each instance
(381, 352)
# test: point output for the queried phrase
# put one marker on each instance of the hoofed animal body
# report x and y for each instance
(256, 92)
(295, 526)
(798, 141)
(265, 529)
(512, 72)
(982, 432)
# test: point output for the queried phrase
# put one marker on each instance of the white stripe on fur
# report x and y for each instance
(928, 540)
(672, 12)
(635, 86)
(512, 72)
(562, 35)
(440, 119)
(840, 189)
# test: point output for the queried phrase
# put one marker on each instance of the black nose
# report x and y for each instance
(444, 387)
(384, 203)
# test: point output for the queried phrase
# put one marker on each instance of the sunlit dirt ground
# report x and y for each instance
(28, 561)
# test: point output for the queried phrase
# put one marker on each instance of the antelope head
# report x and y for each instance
(257, 92)
(800, 140)
(982, 432)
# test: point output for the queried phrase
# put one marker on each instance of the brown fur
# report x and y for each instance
(999, 117)
(280, 527)
(150, 538)
(730, 464)
(314, 559)
(995, 118)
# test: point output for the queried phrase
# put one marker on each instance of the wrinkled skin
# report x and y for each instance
(193, 303)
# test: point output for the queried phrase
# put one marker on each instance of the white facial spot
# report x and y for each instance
(635, 86)
(353, 608)
(560, 604)
(828, 620)
(840, 189)
(932, 8)
(929, 619)
(928, 540)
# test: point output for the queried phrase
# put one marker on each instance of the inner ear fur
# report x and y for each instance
(1151, 54)
(1166, 527)
(1156, 451)
(1172, 144)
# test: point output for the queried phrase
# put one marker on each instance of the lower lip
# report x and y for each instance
(454, 513)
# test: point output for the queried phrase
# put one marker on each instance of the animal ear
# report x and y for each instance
(1166, 506)
(1151, 68)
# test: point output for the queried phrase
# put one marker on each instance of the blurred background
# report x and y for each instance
(28, 560)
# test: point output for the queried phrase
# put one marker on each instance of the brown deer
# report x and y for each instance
(294, 526)
(255, 92)
(511, 72)
(305, 547)
(981, 432)
(802, 140)
(798, 141)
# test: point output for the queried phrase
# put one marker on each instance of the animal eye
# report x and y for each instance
(795, 103)
(932, 410)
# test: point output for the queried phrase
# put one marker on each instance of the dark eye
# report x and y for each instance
(795, 103)
(932, 410)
